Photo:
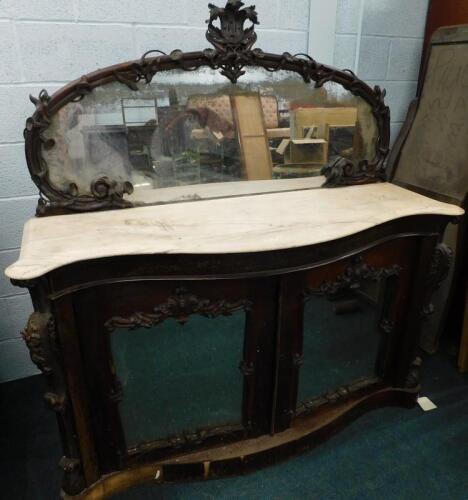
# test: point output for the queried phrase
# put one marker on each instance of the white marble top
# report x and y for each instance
(231, 225)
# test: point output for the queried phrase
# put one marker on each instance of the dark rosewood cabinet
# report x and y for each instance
(176, 367)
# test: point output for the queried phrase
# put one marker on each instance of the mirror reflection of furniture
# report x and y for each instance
(278, 133)
(340, 122)
(305, 154)
(103, 145)
(206, 151)
(317, 136)
(141, 120)
(430, 157)
(252, 133)
(245, 117)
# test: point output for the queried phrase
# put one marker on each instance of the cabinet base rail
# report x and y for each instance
(250, 455)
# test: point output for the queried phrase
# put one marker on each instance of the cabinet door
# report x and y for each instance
(175, 365)
(340, 328)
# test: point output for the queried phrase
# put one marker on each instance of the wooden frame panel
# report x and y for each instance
(99, 305)
(394, 262)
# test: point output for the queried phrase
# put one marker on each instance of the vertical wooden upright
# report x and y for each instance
(251, 130)
(441, 13)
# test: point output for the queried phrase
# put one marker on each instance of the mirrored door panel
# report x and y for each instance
(342, 335)
(178, 379)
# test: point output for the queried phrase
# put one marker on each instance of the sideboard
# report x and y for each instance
(221, 277)
(209, 338)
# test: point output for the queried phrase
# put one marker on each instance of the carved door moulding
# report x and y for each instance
(357, 272)
(179, 306)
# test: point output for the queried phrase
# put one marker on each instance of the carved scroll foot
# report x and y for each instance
(73, 479)
(413, 376)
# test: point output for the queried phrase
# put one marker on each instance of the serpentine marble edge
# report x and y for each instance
(231, 225)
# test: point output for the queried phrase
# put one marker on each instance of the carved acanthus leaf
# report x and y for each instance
(106, 193)
(357, 272)
(179, 306)
(36, 335)
(231, 40)
(345, 172)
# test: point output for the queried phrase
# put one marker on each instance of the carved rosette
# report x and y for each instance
(179, 306)
(356, 272)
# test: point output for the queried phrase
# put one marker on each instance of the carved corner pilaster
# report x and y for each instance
(36, 336)
(40, 338)
(438, 271)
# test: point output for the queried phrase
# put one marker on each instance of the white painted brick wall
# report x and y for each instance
(65, 51)
(388, 35)
(45, 43)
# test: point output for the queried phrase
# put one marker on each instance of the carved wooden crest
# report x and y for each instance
(232, 35)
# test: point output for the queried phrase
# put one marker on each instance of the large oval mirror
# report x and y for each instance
(187, 135)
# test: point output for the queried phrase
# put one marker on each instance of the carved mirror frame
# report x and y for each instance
(232, 53)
